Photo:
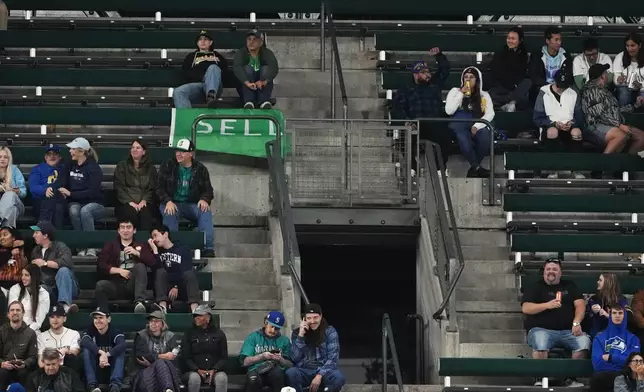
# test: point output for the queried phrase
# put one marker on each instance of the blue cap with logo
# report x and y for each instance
(276, 319)
(52, 147)
(419, 66)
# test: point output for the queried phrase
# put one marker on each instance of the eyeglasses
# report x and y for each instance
(638, 361)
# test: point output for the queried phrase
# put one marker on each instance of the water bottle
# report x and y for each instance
(176, 350)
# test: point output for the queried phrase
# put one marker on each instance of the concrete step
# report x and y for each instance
(368, 107)
(488, 306)
(481, 280)
(496, 321)
(390, 387)
(495, 350)
(241, 235)
(230, 264)
(247, 304)
(477, 252)
(246, 292)
(492, 336)
(505, 267)
(483, 237)
(313, 83)
(241, 250)
(242, 318)
(242, 278)
(485, 294)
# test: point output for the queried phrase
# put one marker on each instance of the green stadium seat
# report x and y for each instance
(131, 322)
(131, 39)
(587, 283)
(558, 242)
(85, 116)
(572, 161)
(593, 202)
(87, 280)
(393, 80)
(96, 239)
(106, 155)
(514, 367)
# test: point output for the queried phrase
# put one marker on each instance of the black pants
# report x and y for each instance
(520, 94)
(563, 142)
(10, 376)
(188, 286)
(50, 210)
(274, 378)
(119, 288)
(603, 381)
(73, 362)
(438, 133)
(142, 219)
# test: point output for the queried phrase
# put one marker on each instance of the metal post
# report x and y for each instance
(332, 85)
(322, 38)
(384, 356)
(490, 188)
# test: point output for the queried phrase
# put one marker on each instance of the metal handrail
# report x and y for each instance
(282, 205)
(338, 65)
(474, 121)
(388, 338)
(420, 347)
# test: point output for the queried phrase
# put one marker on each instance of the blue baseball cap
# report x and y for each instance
(276, 319)
(418, 66)
(16, 387)
(52, 147)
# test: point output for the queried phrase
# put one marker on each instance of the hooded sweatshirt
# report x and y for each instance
(456, 100)
(618, 343)
(112, 341)
(84, 182)
(551, 107)
(205, 348)
(266, 59)
(543, 67)
(196, 63)
(44, 176)
(597, 323)
(257, 342)
(175, 260)
(509, 67)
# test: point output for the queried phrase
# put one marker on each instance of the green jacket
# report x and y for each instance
(266, 58)
(257, 343)
(133, 185)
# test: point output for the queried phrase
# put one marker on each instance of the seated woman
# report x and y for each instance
(597, 311)
(628, 70)
(510, 84)
(632, 377)
(83, 191)
(135, 182)
(12, 189)
(44, 181)
(471, 102)
(34, 298)
(12, 256)
(153, 366)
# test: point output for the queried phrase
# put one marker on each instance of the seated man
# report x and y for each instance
(545, 62)
(554, 113)
(185, 192)
(202, 70)
(44, 181)
(604, 116)
(64, 340)
(255, 67)
(104, 347)
(205, 352)
(55, 261)
(174, 278)
(18, 348)
(554, 309)
(583, 61)
(53, 376)
(315, 350)
(611, 349)
(123, 269)
(266, 353)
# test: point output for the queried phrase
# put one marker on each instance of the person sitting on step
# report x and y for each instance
(202, 70)
(554, 309)
(123, 268)
(255, 68)
(185, 191)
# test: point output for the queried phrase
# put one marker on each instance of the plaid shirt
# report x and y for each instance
(327, 354)
(423, 100)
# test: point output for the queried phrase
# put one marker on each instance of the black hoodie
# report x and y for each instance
(205, 348)
(509, 67)
(196, 63)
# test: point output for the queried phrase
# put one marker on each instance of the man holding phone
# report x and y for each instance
(315, 352)
(266, 353)
(18, 348)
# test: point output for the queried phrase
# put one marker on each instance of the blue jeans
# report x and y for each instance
(66, 288)
(258, 96)
(193, 213)
(299, 378)
(626, 96)
(50, 209)
(11, 208)
(83, 216)
(185, 94)
(473, 148)
(116, 368)
(541, 339)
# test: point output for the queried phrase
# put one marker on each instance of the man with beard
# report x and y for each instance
(315, 352)
(18, 348)
(554, 309)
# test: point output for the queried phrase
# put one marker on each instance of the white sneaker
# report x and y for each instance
(249, 105)
(509, 107)
(538, 384)
(553, 176)
(90, 253)
(96, 390)
(266, 105)
(578, 176)
(574, 384)
(139, 308)
(82, 252)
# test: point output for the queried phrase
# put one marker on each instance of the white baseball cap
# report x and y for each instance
(79, 142)
(185, 145)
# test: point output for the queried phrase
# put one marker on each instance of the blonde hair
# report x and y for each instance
(92, 153)
(610, 293)
(8, 175)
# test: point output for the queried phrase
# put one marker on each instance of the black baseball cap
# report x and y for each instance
(45, 227)
(597, 70)
(57, 310)
(100, 311)
(312, 308)
(562, 79)
(257, 33)
(204, 33)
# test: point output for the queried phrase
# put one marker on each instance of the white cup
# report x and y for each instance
(253, 17)
(470, 19)
(27, 15)
(43, 129)
(164, 53)
(390, 95)
(382, 55)
(38, 91)
(32, 52)
(157, 16)
(197, 254)
(479, 57)
(170, 92)
(590, 21)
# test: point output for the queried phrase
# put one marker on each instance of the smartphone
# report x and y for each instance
(275, 351)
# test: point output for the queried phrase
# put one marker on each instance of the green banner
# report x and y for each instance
(246, 136)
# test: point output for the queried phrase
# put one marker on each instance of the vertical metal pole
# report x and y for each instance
(332, 84)
(384, 356)
(491, 184)
(322, 38)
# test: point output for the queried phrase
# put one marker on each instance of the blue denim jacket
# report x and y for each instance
(328, 353)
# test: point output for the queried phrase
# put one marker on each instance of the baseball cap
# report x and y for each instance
(257, 33)
(44, 227)
(157, 314)
(100, 311)
(562, 79)
(56, 310)
(79, 142)
(597, 70)
(204, 33)
(16, 387)
(185, 145)
(312, 308)
(52, 147)
(418, 66)
(202, 310)
(276, 319)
